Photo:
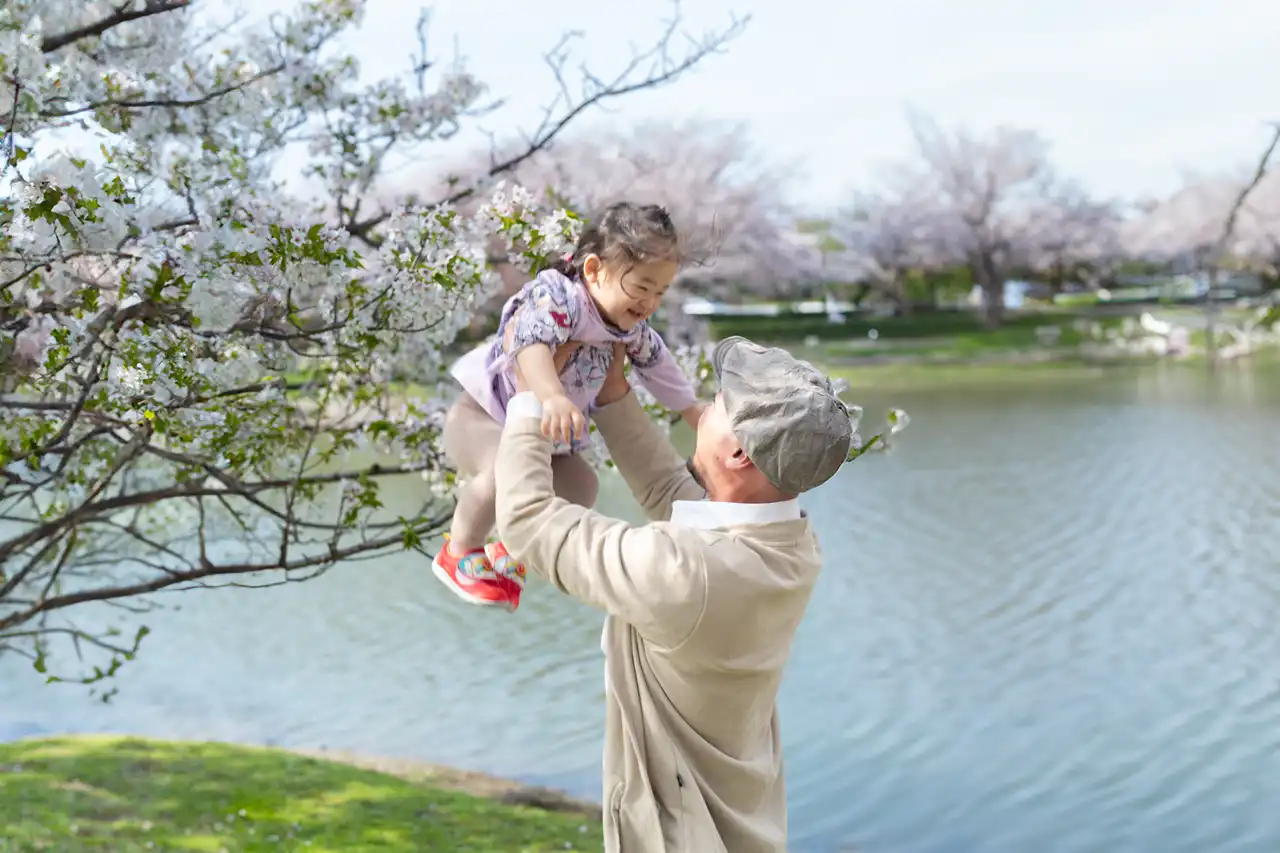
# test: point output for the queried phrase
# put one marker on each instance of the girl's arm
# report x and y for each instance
(545, 312)
(536, 337)
(540, 370)
(537, 365)
(660, 373)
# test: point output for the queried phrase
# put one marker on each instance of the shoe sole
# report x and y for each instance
(443, 577)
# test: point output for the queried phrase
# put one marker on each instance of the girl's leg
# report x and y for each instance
(575, 480)
(473, 518)
(470, 438)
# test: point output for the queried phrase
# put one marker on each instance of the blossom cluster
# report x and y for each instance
(202, 372)
(190, 352)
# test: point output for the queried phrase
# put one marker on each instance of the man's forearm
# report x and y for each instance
(646, 576)
(654, 472)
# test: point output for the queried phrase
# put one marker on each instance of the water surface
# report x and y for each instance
(1046, 623)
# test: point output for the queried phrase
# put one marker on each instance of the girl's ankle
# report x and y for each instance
(458, 551)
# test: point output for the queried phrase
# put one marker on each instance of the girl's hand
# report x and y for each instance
(562, 420)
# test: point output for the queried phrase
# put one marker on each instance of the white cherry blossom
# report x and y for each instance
(206, 378)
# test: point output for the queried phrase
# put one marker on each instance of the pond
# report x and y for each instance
(1046, 623)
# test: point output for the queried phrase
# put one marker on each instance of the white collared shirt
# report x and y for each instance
(709, 514)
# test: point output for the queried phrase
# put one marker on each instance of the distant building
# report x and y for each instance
(1015, 294)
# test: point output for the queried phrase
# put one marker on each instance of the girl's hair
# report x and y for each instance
(625, 233)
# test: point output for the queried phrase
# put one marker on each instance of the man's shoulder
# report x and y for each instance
(765, 556)
(756, 590)
(730, 548)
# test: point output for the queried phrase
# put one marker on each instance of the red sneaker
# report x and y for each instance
(472, 578)
(507, 569)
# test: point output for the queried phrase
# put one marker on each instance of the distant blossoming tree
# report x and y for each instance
(991, 202)
(195, 366)
(1216, 224)
(726, 198)
(884, 234)
(1214, 221)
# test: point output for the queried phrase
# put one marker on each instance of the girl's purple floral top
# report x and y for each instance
(554, 309)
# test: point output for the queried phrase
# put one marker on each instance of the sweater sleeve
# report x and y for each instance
(545, 312)
(655, 473)
(651, 576)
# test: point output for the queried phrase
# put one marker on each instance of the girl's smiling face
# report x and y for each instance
(628, 294)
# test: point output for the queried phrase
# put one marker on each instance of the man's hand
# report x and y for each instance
(615, 385)
(693, 414)
(562, 355)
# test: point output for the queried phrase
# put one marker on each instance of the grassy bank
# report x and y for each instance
(126, 795)
(922, 376)
(786, 327)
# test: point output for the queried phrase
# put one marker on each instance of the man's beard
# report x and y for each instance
(693, 472)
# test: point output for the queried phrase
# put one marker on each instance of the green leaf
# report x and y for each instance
(412, 539)
(855, 452)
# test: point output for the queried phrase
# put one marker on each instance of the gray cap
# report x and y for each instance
(784, 412)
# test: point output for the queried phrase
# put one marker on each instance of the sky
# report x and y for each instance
(1134, 95)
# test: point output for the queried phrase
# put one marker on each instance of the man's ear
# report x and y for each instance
(738, 461)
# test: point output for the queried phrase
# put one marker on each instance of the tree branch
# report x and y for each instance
(332, 555)
(599, 93)
(122, 15)
(1233, 214)
(170, 103)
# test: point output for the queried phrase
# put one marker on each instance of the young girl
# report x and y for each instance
(602, 295)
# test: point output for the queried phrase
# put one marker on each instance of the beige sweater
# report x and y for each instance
(702, 606)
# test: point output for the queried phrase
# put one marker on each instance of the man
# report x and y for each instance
(702, 603)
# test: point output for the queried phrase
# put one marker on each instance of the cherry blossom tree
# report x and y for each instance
(725, 197)
(884, 234)
(1214, 224)
(988, 190)
(202, 374)
(1181, 228)
(1071, 230)
(1215, 220)
(993, 203)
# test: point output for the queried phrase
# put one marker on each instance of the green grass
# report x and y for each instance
(1077, 300)
(923, 324)
(114, 795)
(981, 356)
(968, 345)
(911, 376)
